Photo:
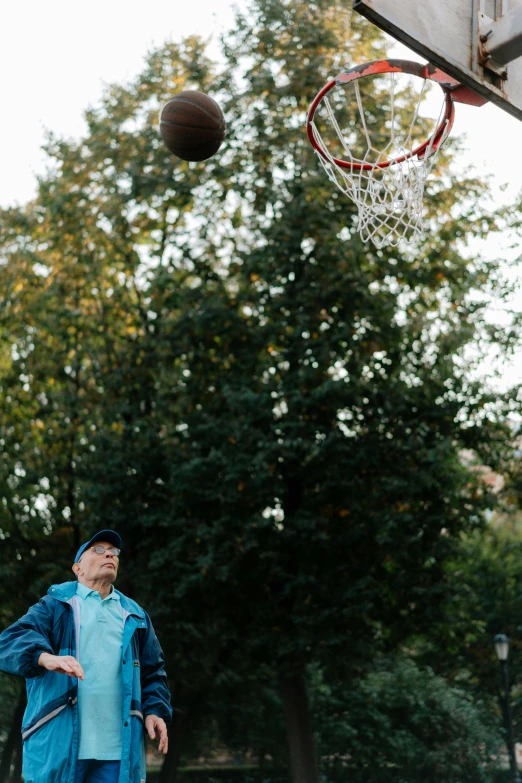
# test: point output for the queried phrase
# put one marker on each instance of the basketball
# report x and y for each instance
(192, 125)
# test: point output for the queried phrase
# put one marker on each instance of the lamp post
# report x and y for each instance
(501, 643)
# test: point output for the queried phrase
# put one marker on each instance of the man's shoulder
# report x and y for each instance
(50, 605)
(130, 606)
(62, 592)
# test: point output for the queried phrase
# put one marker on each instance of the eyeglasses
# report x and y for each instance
(100, 550)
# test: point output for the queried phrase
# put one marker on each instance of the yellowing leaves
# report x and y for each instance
(402, 506)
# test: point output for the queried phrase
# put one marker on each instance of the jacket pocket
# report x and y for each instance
(49, 712)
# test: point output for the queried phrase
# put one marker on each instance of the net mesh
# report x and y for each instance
(388, 194)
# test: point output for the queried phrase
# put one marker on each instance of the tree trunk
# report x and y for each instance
(17, 761)
(301, 744)
(185, 717)
(261, 764)
(13, 745)
(169, 770)
(184, 721)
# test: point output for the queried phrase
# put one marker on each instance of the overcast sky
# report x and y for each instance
(56, 56)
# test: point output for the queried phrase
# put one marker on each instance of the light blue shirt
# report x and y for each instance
(100, 694)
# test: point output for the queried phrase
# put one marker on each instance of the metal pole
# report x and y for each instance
(509, 725)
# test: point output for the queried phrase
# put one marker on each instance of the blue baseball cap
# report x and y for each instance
(104, 535)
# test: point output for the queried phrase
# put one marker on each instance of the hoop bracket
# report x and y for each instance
(502, 39)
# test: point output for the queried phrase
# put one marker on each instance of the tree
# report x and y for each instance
(307, 360)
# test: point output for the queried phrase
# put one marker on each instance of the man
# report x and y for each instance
(95, 676)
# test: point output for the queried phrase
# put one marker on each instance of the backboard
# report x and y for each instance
(478, 42)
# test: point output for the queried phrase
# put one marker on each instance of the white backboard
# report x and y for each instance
(448, 34)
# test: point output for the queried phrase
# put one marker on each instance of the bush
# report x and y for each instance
(242, 775)
(224, 775)
(404, 724)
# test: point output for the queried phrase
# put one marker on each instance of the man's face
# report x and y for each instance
(93, 566)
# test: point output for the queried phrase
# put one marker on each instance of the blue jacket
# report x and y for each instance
(50, 724)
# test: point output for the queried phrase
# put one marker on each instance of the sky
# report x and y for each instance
(56, 56)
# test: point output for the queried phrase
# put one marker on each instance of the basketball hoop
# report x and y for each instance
(383, 171)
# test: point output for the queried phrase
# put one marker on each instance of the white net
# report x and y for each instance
(383, 178)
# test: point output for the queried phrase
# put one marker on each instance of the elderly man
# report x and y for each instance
(95, 676)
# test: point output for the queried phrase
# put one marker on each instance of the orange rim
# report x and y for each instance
(446, 83)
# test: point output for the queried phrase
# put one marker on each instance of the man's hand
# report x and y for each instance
(63, 664)
(153, 723)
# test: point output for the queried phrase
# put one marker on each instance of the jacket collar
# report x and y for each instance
(67, 590)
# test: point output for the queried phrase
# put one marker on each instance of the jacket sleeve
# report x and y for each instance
(22, 643)
(155, 696)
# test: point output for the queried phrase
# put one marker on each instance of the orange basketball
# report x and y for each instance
(192, 125)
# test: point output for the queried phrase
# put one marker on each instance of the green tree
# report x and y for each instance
(317, 486)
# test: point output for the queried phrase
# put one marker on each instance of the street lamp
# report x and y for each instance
(501, 643)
